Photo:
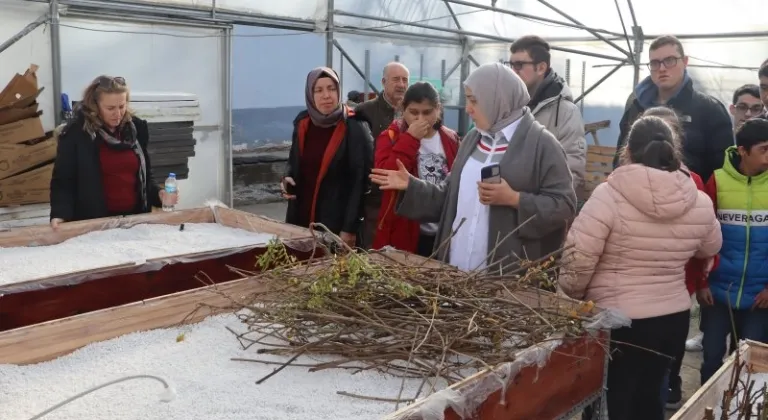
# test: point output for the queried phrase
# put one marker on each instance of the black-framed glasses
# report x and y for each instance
(108, 82)
(518, 65)
(756, 109)
(668, 62)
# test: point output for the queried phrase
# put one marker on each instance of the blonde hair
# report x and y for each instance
(89, 106)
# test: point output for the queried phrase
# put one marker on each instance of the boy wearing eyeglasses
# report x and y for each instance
(746, 103)
(706, 123)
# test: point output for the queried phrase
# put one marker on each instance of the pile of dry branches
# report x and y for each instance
(742, 400)
(420, 319)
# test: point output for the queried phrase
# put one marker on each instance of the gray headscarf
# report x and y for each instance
(500, 93)
(317, 117)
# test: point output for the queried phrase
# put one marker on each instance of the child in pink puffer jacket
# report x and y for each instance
(627, 250)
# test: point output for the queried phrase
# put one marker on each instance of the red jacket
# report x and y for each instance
(694, 270)
(394, 144)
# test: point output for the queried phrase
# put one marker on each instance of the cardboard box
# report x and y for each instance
(27, 188)
(18, 102)
(15, 158)
(12, 114)
(20, 88)
(21, 131)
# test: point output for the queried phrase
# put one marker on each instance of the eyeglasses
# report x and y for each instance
(107, 82)
(668, 62)
(753, 110)
(518, 65)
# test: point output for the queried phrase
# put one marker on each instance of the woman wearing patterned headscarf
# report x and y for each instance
(522, 216)
(102, 167)
(331, 154)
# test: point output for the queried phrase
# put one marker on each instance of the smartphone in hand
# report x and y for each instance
(491, 174)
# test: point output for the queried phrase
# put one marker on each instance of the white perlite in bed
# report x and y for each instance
(208, 384)
(120, 246)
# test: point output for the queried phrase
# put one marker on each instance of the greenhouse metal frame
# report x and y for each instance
(215, 16)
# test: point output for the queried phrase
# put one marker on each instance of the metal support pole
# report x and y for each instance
(463, 120)
(56, 61)
(470, 34)
(367, 76)
(22, 33)
(384, 34)
(188, 13)
(632, 12)
(568, 71)
(639, 46)
(354, 65)
(213, 10)
(452, 70)
(453, 14)
(341, 74)
(226, 116)
(637, 33)
(472, 59)
(442, 73)
(531, 17)
(583, 84)
(628, 54)
(329, 34)
(421, 67)
(599, 82)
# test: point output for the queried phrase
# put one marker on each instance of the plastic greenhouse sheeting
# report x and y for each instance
(655, 16)
(299, 9)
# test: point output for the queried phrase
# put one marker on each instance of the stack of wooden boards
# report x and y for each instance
(599, 159)
(27, 151)
(171, 144)
(599, 166)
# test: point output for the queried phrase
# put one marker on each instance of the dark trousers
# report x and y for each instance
(717, 324)
(636, 371)
(426, 245)
(368, 227)
(675, 381)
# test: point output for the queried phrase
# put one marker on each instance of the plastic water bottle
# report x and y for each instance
(170, 192)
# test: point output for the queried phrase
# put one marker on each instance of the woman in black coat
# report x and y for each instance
(330, 158)
(102, 167)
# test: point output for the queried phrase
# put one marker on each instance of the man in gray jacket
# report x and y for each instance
(551, 101)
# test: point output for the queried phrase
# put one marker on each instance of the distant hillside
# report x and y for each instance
(261, 126)
(256, 127)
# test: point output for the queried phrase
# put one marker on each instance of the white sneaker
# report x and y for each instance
(693, 344)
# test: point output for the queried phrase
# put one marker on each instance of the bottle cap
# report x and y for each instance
(172, 175)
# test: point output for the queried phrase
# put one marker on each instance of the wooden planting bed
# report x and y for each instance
(69, 294)
(753, 353)
(572, 377)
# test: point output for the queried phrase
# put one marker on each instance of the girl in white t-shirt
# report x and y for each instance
(427, 149)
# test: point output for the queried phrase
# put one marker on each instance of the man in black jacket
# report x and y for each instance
(706, 123)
